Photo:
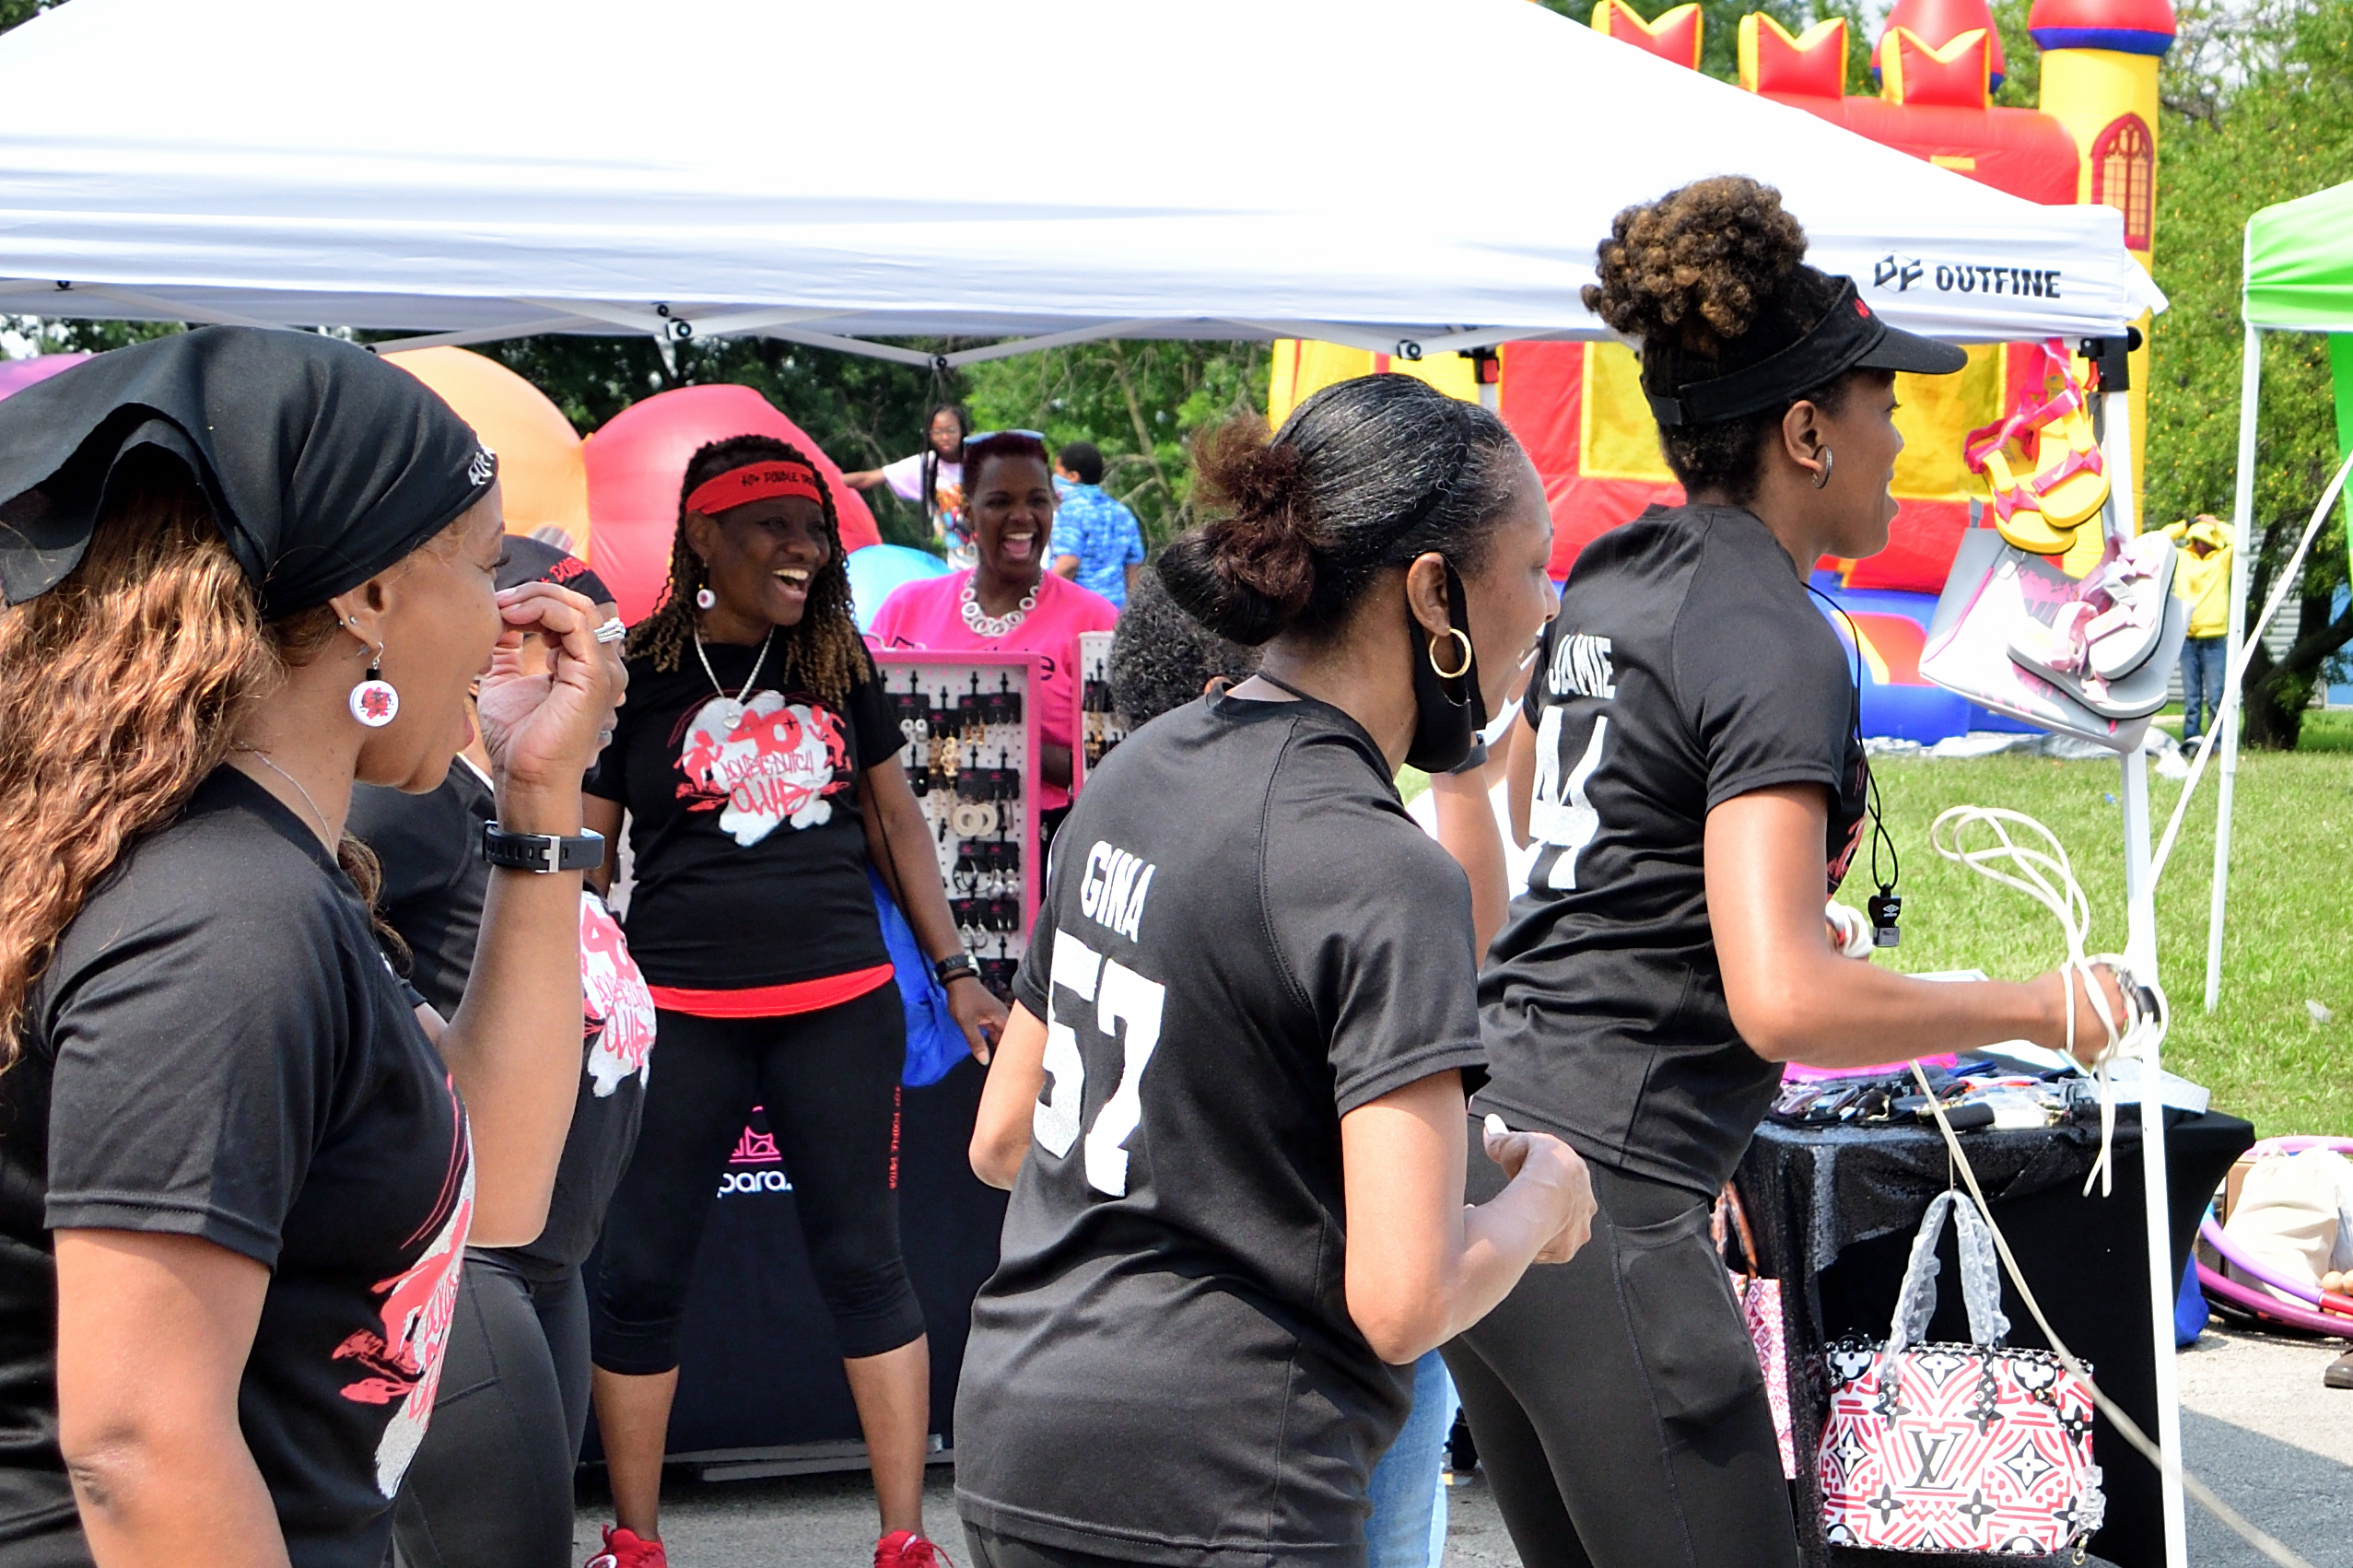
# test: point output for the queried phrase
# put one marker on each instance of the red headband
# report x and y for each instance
(755, 482)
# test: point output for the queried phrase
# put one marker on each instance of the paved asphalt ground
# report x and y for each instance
(2257, 1426)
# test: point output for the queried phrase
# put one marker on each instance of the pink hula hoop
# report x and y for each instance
(2314, 1316)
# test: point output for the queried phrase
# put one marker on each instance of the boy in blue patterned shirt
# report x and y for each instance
(1097, 542)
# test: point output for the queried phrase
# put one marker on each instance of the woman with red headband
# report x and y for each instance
(759, 766)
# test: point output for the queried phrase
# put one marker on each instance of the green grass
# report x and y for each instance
(2290, 925)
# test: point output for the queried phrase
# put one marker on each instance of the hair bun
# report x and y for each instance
(1247, 571)
(1697, 267)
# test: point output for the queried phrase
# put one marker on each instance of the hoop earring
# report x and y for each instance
(374, 702)
(705, 598)
(1459, 671)
(1822, 474)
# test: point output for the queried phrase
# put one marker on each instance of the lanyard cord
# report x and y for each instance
(1880, 835)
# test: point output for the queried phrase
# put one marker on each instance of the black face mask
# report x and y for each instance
(1448, 713)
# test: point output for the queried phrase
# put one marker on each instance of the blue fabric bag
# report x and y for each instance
(934, 1044)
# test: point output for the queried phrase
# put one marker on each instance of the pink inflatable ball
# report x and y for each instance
(635, 466)
(15, 375)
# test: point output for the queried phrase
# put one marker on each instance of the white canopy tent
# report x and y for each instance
(831, 173)
(474, 170)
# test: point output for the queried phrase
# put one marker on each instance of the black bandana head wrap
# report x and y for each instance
(323, 463)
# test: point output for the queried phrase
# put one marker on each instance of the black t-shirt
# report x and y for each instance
(1686, 666)
(750, 847)
(217, 1050)
(1244, 938)
(435, 879)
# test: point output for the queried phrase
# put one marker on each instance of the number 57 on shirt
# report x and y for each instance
(1118, 995)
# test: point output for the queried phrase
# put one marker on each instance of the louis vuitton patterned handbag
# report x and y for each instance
(1956, 1448)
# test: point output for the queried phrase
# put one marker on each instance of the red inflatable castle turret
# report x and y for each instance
(1934, 23)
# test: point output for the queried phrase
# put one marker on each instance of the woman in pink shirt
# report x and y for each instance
(1009, 602)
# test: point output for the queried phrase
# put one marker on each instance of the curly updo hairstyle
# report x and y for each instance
(1711, 278)
(1364, 476)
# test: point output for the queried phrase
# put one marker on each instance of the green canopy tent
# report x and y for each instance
(2299, 278)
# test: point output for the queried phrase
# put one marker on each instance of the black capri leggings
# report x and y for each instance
(1616, 1401)
(492, 1485)
(829, 1080)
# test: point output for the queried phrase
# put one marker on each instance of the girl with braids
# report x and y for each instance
(1230, 1103)
(932, 479)
(247, 569)
(1697, 786)
(758, 764)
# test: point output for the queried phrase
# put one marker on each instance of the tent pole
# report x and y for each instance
(2141, 953)
(2243, 523)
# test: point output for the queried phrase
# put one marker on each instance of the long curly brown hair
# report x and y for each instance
(120, 690)
(822, 652)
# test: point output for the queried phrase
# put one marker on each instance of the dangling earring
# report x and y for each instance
(373, 701)
(1822, 474)
(705, 598)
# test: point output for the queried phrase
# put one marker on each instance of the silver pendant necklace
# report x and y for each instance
(263, 757)
(996, 625)
(730, 708)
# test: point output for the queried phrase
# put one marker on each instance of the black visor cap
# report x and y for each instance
(1848, 337)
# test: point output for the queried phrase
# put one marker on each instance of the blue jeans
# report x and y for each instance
(2204, 664)
(1407, 1529)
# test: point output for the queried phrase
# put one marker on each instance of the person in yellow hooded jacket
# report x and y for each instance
(2202, 575)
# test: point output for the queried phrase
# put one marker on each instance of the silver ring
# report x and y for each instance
(612, 631)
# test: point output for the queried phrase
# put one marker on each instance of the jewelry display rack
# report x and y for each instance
(1099, 725)
(971, 756)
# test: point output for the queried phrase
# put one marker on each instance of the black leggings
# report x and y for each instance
(829, 1081)
(492, 1485)
(1616, 1401)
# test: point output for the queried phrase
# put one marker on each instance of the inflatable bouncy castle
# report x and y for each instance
(1579, 409)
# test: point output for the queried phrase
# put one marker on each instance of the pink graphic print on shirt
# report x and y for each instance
(616, 1010)
(778, 765)
(401, 1364)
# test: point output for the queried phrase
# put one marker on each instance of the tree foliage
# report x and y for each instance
(863, 412)
(1138, 402)
(2283, 130)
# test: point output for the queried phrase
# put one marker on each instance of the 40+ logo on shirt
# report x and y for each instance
(763, 762)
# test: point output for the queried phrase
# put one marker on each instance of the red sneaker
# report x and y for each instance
(904, 1549)
(627, 1549)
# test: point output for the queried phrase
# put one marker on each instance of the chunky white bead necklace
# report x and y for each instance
(997, 625)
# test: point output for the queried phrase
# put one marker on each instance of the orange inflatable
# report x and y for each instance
(541, 481)
(636, 462)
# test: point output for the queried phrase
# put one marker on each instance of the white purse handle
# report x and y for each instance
(1981, 1280)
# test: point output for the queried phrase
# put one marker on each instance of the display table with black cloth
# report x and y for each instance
(759, 1369)
(1836, 1211)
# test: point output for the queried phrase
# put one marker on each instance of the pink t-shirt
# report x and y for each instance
(929, 615)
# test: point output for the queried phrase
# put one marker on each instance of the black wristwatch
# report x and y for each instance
(954, 965)
(543, 852)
